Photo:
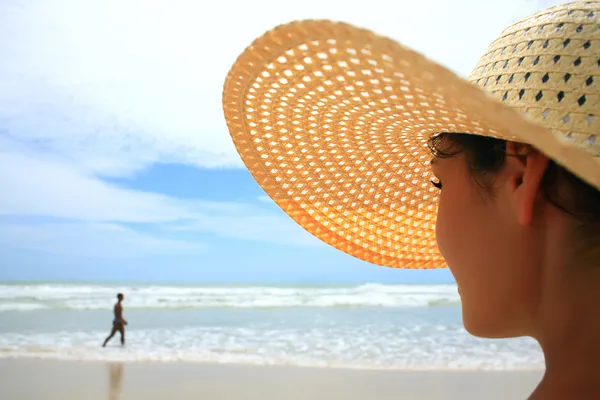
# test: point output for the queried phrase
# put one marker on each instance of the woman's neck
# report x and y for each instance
(569, 317)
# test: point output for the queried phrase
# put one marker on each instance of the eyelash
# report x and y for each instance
(437, 184)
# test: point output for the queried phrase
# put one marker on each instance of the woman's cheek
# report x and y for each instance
(441, 231)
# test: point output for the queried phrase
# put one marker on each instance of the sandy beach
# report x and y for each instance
(25, 379)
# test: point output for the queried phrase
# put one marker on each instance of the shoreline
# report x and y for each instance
(469, 369)
(29, 378)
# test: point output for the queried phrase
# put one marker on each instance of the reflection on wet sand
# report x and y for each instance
(115, 380)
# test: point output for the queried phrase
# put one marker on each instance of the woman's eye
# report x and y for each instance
(437, 184)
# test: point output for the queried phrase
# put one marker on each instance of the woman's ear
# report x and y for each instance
(526, 167)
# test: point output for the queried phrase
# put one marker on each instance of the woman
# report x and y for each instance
(395, 160)
(522, 238)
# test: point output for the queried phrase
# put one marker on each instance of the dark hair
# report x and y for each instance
(485, 156)
(119, 296)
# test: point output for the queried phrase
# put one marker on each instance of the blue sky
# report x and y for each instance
(115, 160)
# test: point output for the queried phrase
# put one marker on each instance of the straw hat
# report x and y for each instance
(333, 120)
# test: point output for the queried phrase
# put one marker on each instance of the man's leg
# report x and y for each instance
(112, 333)
(122, 331)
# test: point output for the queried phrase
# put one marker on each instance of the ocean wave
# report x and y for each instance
(342, 347)
(91, 297)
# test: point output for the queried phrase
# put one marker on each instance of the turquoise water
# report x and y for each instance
(351, 326)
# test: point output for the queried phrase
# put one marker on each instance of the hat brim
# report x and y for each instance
(332, 121)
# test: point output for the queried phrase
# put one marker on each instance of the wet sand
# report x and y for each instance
(31, 379)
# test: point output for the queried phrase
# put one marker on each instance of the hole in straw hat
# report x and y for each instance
(566, 119)
(556, 59)
(536, 61)
(579, 28)
(546, 113)
(560, 26)
(560, 96)
(510, 79)
(590, 118)
(527, 75)
(567, 77)
(546, 43)
(539, 96)
(581, 101)
(587, 45)
(545, 78)
(521, 93)
(577, 62)
(505, 95)
(589, 81)
(566, 42)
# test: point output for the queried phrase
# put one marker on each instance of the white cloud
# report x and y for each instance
(90, 89)
(91, 240)
(37, 185)
(276, 229)
(48, 186)
(116, 85)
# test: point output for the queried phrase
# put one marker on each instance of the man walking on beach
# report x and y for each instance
(118, 322)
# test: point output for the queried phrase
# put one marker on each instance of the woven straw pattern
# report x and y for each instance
(332, 121)
(548, 67)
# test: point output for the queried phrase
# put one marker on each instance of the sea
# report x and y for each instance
(366, 326)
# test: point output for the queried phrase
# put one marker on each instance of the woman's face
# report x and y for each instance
(487, 250)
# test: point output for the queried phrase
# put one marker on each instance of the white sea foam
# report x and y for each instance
(361, 326)
(90, 297)
(362, 348)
